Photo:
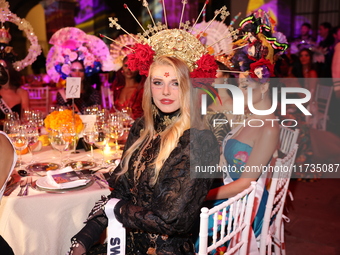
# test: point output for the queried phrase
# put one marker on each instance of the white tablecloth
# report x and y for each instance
(43, 223)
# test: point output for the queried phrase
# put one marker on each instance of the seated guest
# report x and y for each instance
(12, 97)
(89, 96)
(8, 159)
(76, 54)
(221, 109)
(326, 47)
(304, 40)
(246, 146)
(158, 199)
(128, 91)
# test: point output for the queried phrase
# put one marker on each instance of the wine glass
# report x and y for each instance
(32, 134)
(89, 136)
(19, 140)
(26, 116)
(116, 129)
(11, 119)
(60, 141)
(101, 137)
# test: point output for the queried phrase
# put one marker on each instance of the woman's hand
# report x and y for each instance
(77, 249)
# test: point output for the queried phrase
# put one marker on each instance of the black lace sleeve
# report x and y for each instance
(97, 220)
(177, 197)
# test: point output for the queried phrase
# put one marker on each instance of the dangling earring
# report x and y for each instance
(262, 96)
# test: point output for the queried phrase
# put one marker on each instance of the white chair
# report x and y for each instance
(236, 215)
(39, 98)
(107, 97)
(323, 98)
(272, 233)
(288, 138)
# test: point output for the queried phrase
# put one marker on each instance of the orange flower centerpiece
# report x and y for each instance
(66, 122)
(58, 120)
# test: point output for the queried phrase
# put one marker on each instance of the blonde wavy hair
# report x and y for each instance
(170, 136)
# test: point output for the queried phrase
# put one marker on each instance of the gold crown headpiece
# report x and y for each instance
(34, 50)
(159, 40)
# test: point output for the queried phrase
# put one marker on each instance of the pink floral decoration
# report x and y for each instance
(66, 69)
(242, 156)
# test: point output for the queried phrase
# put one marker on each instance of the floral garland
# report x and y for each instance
(142, 57)
(63, 67)
(63, 119)
(23, 25)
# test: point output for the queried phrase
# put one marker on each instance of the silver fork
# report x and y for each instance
(28, 184)
(23, 184)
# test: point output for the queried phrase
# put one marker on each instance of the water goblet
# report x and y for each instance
(11, 119)
(101, 138)
(32, 134)
(59, 141)
(116, 129)
(89, 136)
(19, 139)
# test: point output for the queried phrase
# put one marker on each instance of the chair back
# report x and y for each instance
(107, 97)
(272, 228)
(323, 98)
(232, 221)
(288, 138)
(39, 98)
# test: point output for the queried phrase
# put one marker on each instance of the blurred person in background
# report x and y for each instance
(128, 90)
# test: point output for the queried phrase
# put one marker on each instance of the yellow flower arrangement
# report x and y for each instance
(63, 119)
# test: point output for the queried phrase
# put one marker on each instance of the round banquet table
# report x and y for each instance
(42, 222)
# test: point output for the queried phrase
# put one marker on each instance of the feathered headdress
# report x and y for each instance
(261, 46)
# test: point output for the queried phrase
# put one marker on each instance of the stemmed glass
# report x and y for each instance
(32, 133)
(101, 137)
(11, 119)
(89, 136)
(60, 141)
(19, 140)
(116, 129)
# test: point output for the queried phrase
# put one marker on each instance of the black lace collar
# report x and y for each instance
(162, 120)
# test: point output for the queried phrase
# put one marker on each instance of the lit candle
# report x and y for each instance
(107, 149)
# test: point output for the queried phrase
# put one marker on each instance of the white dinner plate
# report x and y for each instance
(43, 184)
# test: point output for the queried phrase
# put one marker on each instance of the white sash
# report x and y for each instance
(116, 232)
(4, 107)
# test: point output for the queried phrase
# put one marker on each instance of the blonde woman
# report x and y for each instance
(159, 201)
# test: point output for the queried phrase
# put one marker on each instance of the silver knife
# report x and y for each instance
(11, 188)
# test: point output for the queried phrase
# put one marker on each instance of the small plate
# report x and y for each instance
(113, 162)
(42, 167)
(81, 165)
(43, 185)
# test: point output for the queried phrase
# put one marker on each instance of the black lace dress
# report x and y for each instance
(158, 218)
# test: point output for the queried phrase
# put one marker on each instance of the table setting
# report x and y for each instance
(52, 190)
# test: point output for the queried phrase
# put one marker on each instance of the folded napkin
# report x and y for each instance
(65, 178)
